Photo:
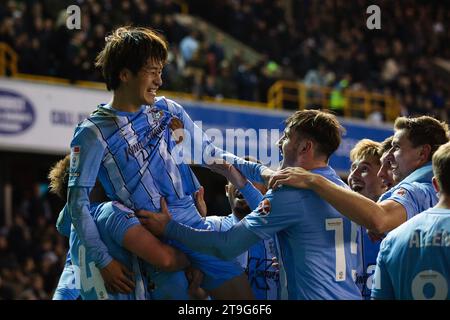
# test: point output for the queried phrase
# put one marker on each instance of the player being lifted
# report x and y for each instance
(320, 249)
(127, 241)
(129, 144)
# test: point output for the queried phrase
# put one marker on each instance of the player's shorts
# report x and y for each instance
(167, 285)
(216, 271)
(66, 289)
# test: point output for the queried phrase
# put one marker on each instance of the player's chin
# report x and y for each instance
(149, 98)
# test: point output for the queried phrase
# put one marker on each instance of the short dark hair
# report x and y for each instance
(59, 177)
(424, 130)
(319, 126)
(441, 167)
(129, 47)
(386, 145)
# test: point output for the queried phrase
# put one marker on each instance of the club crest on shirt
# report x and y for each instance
(75, 158)
(400, 192)
(157, 115)
(176, 125)
(263, 208)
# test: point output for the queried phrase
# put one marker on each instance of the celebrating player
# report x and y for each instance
(414, 259)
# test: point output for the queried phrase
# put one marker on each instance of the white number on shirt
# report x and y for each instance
(337, 225)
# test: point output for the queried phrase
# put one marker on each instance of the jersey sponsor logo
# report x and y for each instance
(263, 208)
(75, 158)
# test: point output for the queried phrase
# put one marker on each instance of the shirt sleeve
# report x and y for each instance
(382, 288)
(64, 222)
(411, 197)
(199, 149)
(79, 210)
(120, 221)
(86, 153)
(252, 195)
(278, 210)
(224, 245)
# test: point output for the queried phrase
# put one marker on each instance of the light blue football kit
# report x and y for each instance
(320, 249)
(414, 259)
(136, 158)
(112, 221)
(257, 261)
(160, 285)
(416, 194)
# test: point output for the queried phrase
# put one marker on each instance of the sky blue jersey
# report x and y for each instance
(414, 259)
(256, 261)
(416, 194)
(113, 221)
(139, 158)
(320, 248)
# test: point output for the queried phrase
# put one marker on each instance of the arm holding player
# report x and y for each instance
(224, 245)
(377, 217)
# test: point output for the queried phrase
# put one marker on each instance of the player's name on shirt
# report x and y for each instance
(422, 239)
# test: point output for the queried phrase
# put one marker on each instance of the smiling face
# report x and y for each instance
(405, 157)
(364, 180)
(143, 86)
(288, 145)
(385, 172)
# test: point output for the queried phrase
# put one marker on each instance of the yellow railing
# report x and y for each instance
(183, 5)
(356, 103)
(8, 60)
(282, 95)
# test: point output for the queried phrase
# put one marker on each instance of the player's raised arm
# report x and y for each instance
(204, 152)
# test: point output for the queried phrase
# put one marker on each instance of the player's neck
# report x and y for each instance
(121, 101)
(444, 202)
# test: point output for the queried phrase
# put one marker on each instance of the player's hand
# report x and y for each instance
(230, 172)
(200, 202)
(275, 264)
(117, 278)
(295, 177)
(266, 175)
(195, 278)
(153, 221)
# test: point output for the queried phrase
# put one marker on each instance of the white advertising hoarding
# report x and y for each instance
(42, 118)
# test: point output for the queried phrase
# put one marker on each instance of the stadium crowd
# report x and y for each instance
(322, 43)
(32, 252)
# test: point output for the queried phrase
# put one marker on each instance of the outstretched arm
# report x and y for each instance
(377, 217)
(224, 245)
(203, 151)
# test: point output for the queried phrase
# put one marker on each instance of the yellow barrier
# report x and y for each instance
(356, 103)
(8, 60)
(281, 95)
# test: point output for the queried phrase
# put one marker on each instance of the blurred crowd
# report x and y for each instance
(32, 253)
(322, 43)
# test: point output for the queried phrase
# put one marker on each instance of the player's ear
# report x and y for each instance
(425, 152)
(305, 147)
(124, 75)
(435, 184)
(226, 190)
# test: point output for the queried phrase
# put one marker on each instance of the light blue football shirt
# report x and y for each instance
(414, 259)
